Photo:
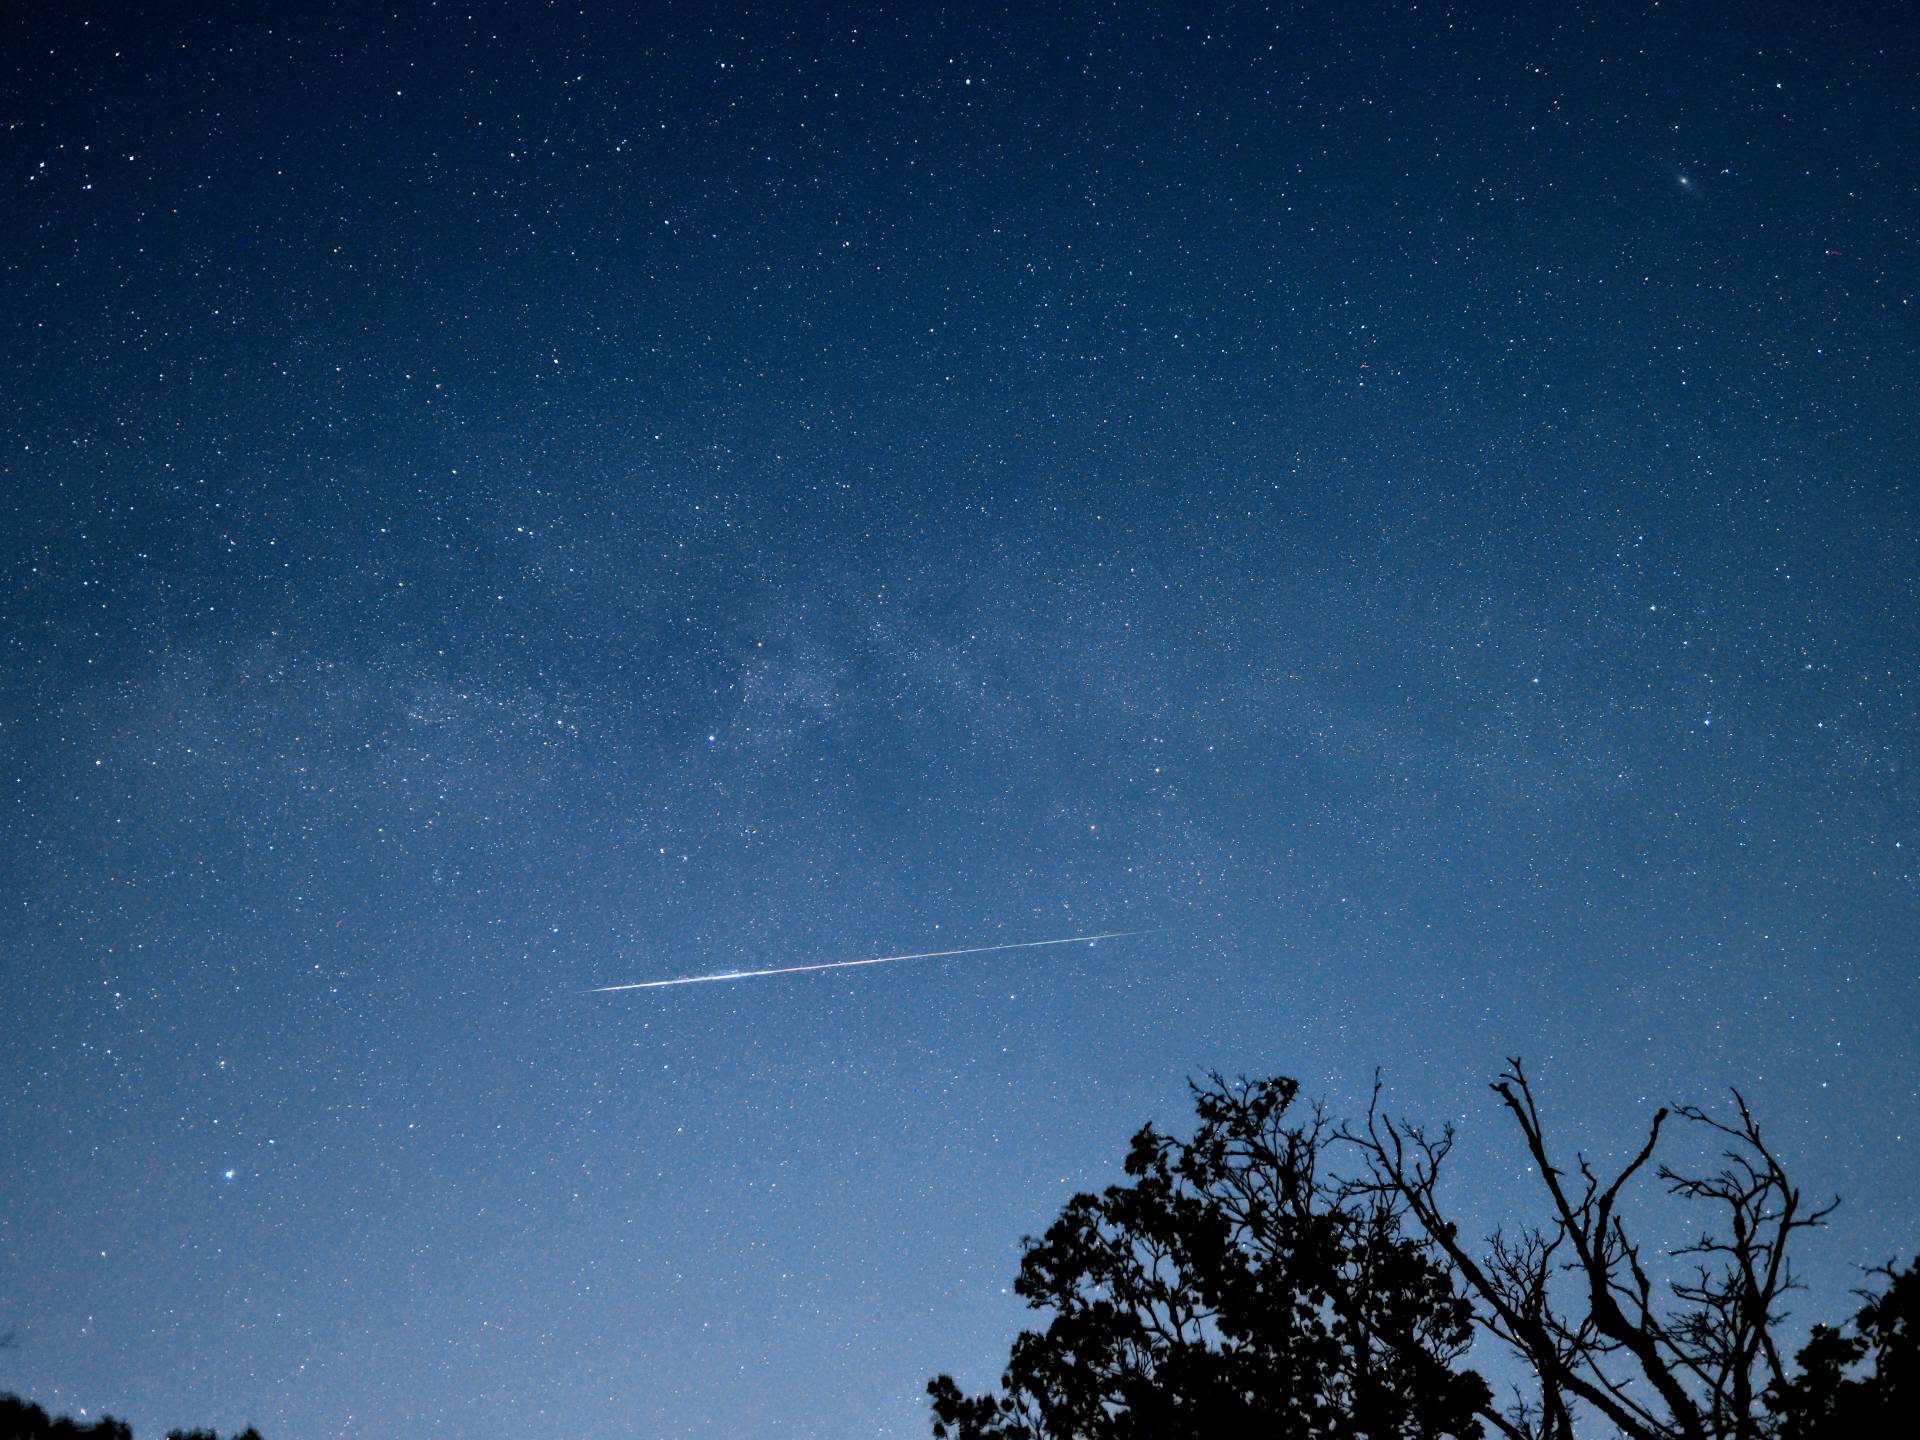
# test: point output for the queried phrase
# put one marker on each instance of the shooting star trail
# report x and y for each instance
(873, 960)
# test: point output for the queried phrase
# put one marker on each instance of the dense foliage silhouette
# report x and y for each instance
(1858, 1383)
(21, 1420)
(1240, 1284)
(1231, 1288)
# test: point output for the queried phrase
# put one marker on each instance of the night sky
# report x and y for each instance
(1414, 504)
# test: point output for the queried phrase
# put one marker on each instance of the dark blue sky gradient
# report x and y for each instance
(1416, 503)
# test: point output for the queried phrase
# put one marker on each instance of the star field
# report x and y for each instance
(495, 501)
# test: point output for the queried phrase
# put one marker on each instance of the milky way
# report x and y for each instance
(496, 499)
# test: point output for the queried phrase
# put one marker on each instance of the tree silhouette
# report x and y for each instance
(1682, 1358)
(1858, 1384)
(1231, 1288)
(1238, 1285)
(20, 1420)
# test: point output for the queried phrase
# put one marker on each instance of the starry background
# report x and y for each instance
(1417, 505)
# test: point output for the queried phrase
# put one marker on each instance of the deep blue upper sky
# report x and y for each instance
(1418, 503)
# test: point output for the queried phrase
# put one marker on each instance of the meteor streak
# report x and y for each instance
(874, 960)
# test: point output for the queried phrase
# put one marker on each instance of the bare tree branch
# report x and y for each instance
(1682, 1359)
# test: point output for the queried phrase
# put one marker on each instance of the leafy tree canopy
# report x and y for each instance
(22, 1420)
(1230, 1287)
(1236, 1285)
